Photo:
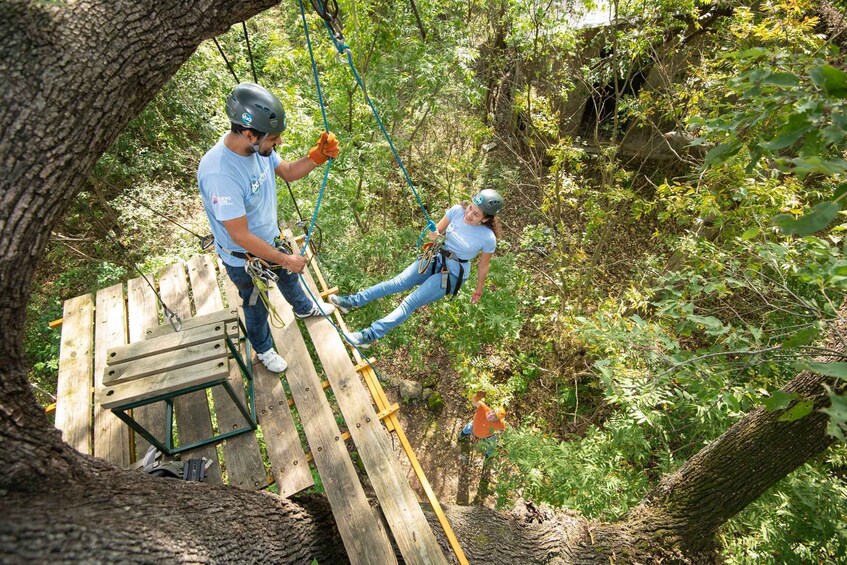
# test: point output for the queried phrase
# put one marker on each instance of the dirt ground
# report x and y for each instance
(454, 469)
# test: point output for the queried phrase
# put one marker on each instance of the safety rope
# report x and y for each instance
(326, 127)
(171, 316)
(228, 65)
(206, 241)
(343, 49)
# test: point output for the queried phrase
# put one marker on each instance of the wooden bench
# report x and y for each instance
(170, 364)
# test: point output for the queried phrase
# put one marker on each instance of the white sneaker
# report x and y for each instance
(273, 361)
(318, 309)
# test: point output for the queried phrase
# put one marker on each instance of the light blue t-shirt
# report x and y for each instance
(465, 240)
(231, 186)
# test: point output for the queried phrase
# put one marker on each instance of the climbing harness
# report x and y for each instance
(263, 276)
(429, 252)
(191, 470)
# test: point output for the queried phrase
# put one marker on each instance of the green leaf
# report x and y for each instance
(779, 400)
(838, 370)
(833, 81)
(783, 79)
(818, 218)
(799, 410)
(722, 152)
(787, 139)
(750, 234)
(803, 337)
(816, 164)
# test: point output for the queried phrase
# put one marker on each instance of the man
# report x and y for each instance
(238, 187)
(485, 424)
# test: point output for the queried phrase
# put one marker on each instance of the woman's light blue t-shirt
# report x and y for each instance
(465, 240)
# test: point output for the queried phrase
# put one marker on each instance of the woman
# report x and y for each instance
(471, 230)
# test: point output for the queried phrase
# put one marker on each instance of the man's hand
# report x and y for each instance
(476, 296)
(433, 235)
(327, 147)
(294, 263)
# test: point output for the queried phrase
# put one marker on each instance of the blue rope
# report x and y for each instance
(344, 49)
(323, 187)
(326, 128)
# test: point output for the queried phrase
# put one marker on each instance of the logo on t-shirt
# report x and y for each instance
(222, 200)
(257, 181)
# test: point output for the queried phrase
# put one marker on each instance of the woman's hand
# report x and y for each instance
(476, 296)
(433, 235)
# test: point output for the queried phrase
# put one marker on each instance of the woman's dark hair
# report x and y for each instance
(492, 223)
(489, 221)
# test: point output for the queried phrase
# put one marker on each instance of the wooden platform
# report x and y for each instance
(276, 454)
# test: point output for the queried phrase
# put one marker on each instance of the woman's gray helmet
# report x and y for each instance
(488, 200)
(252, 106)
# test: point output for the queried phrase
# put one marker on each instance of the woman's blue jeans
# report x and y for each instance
(429, 290)
(256, 315)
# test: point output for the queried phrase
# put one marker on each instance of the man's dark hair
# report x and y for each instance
(238, 128)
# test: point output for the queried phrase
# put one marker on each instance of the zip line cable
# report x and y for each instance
(228, 65)
(206, 241)
(249, 51)
(170, 315)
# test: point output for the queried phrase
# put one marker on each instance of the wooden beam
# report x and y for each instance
(76, 373)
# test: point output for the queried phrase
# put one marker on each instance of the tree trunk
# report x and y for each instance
(74, 74)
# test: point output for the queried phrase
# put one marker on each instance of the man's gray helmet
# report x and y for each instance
(489, 201)
(252, 106)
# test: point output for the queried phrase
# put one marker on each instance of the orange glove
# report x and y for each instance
(327, 147)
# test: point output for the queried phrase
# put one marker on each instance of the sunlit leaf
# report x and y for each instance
(838, 370)
(799, 410)
(818, 218)
(779, 400)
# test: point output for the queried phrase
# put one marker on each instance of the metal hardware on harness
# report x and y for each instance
(260, 269)
(429, 251)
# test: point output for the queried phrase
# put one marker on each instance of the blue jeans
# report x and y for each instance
(256, 315)
(429, 290)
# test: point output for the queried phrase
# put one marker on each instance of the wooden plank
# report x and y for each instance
(166, 382)
(142, 309)
(174, 341)
(146, 366)
(398, 501)
(242, 456)
(392, 423)
(289, 468)
(76, 373)
(191, 410)
(364, 537)
(111, 436)
(225, 315)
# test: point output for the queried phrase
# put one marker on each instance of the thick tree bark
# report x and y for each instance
(74, 74)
